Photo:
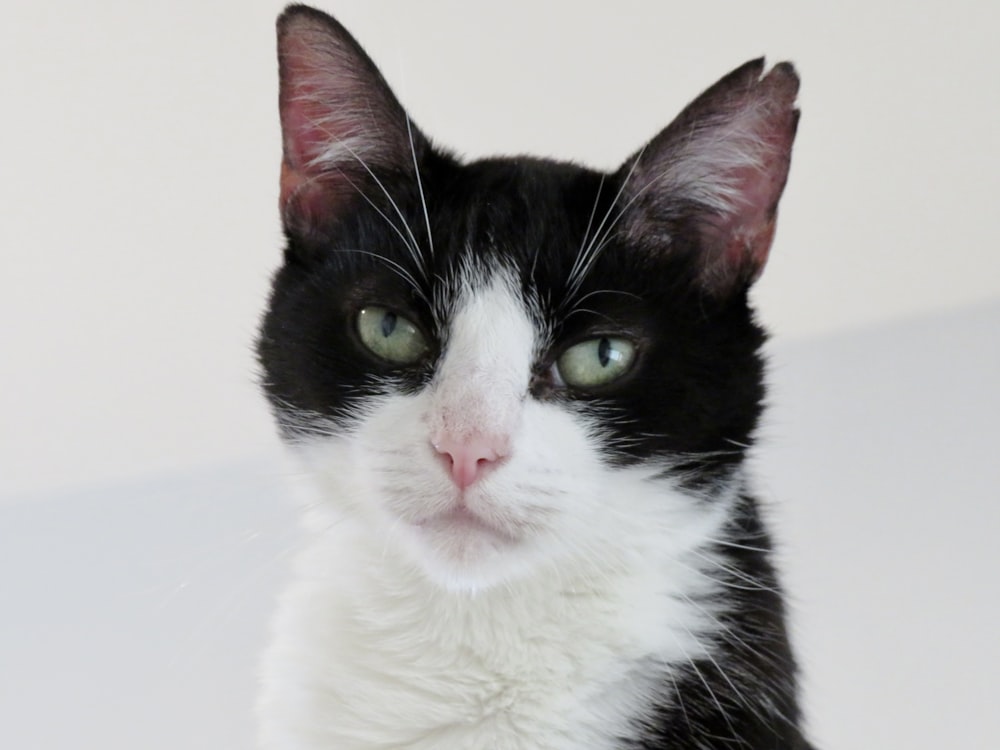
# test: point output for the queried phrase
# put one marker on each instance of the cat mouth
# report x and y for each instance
(463, 521)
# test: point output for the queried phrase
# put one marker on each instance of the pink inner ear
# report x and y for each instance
(750, 251)
(301, 109)
(340, 122)
(304, 137)
(306, 185)
(745, 236)
(719, 169)
(739, 240)
(293, 186)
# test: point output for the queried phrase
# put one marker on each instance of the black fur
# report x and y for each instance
(695, 390)
(693, 397)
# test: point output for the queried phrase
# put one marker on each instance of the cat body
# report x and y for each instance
(521, 393)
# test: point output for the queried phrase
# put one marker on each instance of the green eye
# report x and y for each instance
(596, 362)
(390, 336)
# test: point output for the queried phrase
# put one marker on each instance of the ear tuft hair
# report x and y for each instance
(340, 121)
(718, 170)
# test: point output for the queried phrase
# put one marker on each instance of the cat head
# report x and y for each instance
(504, 362)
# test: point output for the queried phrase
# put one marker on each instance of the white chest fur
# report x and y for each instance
(368, 653)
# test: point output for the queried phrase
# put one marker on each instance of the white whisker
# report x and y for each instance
(711, 693)
(327, 159)
(420, 185)
(584, 260)
(739, 575)
(396, 267)
(590, 222)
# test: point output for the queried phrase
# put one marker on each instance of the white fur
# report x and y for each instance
(547, 627)
(705, 167)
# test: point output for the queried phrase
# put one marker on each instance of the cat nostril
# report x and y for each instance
(469, 459)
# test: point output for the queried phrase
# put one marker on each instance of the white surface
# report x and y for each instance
(881, 451)
(140, 152)
(132, 616)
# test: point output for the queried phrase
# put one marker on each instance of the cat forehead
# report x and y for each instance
(490, 307)
(483, 296)
(490, 202)
(525, 219)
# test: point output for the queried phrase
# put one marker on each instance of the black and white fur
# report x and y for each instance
(604, 582)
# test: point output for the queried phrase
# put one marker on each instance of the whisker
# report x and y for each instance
(738, 574)
(595, 313)
(711, 693)
(734, 545)
(608, 291)
(413, 245)
(719, 581)
(420, 185)
(585, 260)
(680, 701)
(590, 221)
(730, 635)
(414, 252)
(737, 693)
(396, 267)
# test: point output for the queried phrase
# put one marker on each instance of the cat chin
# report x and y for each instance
(459, 552)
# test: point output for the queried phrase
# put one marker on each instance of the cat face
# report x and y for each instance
(501, 365)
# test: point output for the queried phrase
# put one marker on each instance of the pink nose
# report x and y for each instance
(471, 457)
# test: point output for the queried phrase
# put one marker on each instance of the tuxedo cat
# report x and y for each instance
(522, 393)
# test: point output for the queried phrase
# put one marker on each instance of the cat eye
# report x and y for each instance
(391, 336)
(595, 362)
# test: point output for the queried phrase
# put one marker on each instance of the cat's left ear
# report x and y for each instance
(342, 127)
(710, 182)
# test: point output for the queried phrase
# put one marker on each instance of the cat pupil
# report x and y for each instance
(604, 352)
(388, 324)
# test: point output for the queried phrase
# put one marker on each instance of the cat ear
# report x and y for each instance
(709, 183)
(341, 124)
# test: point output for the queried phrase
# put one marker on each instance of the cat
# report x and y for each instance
(523, 393)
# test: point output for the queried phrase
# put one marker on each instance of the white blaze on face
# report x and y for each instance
(482, 381)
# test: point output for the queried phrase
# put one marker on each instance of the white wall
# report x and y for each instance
(139, 152)
(138, 163)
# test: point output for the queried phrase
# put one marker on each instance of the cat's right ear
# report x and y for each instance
(341, 124)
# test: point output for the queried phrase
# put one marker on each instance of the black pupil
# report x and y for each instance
(388, 324)
(604, 352)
